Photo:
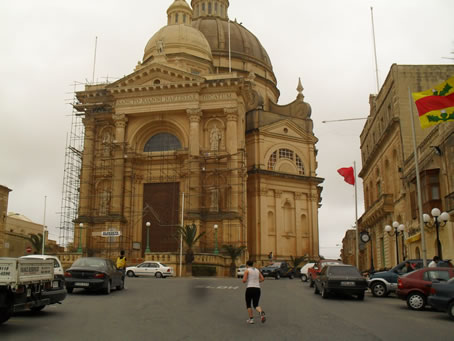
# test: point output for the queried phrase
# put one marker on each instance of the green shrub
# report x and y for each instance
(203, 270)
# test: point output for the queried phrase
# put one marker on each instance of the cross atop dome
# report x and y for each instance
(210, 8)
(179, 13)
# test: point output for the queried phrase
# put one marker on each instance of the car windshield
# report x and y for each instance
(343, 271)
(274, 265)
(89, 262)
(163, 264)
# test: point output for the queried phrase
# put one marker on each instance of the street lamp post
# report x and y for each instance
(396, 229)
(438, 216)
(216, 251)
(79, 249)
(148, 224)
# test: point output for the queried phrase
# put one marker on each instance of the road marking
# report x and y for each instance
(221, 287)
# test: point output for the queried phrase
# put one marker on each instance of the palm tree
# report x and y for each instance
(234, 252)
(295, 262)
(190, 237)
(37, 241)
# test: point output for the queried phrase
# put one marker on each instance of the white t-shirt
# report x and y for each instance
(433, 264)
(253, 278)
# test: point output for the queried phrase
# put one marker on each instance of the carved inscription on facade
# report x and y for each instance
(216, 97)
(157, 100)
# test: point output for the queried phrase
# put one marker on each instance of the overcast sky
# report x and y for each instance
(47, 45)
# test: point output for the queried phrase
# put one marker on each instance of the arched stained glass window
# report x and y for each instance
(272, 160)
(299, 165)
(162, 142)
(286, 154)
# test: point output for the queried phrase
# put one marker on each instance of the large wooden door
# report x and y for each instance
(161, 209)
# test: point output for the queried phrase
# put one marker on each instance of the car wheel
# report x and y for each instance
(324, 293)
(316, 291)
(277, 276)
(5, 314)
(108, 288)
(416, 301)
(37, 309)
(304, 278)
(311, 282)
(69, 290)
(122, 284)
(291, 276)
(131, 273)
(158, 275)
(451, 311)
(360, 297)
(379, 290)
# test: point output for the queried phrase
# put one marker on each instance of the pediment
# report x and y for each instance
(287, 129)
(157, 75)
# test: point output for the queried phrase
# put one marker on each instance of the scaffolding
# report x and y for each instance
(71, 175)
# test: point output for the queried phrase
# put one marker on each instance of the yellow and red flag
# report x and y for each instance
(436, 105)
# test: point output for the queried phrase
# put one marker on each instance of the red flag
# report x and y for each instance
(348, 175)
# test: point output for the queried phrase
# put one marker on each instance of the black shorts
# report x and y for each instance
(252, 294)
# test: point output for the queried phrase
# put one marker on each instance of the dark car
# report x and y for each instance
(384, 282)
(340, 279)
(313, 272)
(442, 297)
(278, 270)
(414, 287)
(94, 274)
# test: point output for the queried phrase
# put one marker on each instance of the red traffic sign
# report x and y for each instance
(28, 249)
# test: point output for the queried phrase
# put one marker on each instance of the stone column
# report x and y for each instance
(118, 174)
(86, 177)
(194, 116)
(232, 150)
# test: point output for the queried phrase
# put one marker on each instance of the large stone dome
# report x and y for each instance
(244, 44)
(175, 39)
(178, 37)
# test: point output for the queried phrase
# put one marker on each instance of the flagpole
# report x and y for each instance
(356, 218)
(418, 183)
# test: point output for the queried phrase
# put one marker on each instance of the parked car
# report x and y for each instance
(57, 292)
(340, 279)
(303, 271)
(414, 287)
(384, 282)
(150, 268)
(318, 266)
(94, 273)
(442, 297)
(278, 270)
(240, 271)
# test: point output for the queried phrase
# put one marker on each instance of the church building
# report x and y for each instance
(195, 136)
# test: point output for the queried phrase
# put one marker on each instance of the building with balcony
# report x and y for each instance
(388, 170)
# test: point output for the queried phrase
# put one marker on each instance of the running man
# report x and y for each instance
(253, 277)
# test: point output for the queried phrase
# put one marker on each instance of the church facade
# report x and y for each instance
(195, 136)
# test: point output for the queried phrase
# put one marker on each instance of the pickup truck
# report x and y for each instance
(22, 285)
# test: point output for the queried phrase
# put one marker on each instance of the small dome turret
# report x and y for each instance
(179, 13)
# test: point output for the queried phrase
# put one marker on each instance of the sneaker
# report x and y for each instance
(250, 321)
(262, 316)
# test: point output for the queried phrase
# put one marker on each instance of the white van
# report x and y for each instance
(303, 271)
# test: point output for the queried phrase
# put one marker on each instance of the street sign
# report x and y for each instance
(110, 233)
(29, 249)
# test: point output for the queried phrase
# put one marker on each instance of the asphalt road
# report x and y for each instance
(214, 309)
